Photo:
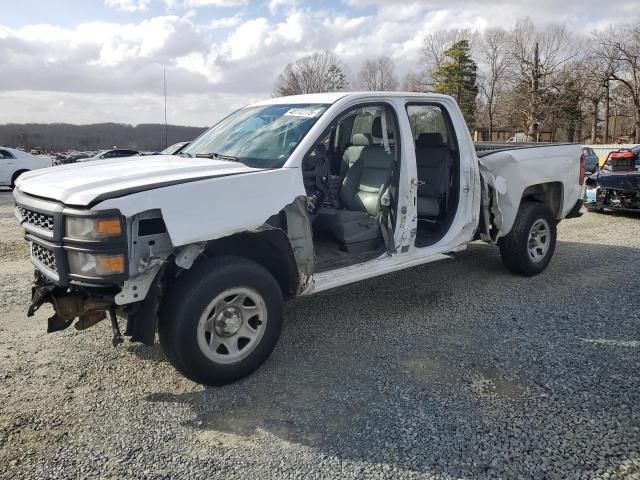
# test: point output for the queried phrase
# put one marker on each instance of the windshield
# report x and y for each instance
(172, 149)
(261, 136)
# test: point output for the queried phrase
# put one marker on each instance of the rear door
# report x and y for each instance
(443, 172)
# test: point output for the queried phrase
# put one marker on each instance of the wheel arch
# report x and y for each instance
(550, 194)
(269, 248)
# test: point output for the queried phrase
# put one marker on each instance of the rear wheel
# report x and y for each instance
(529, 247)
(15, 177)
(222, 320)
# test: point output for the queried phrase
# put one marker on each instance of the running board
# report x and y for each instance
(373, 268)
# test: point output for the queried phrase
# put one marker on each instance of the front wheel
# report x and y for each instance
(528, 248)
(223, 318)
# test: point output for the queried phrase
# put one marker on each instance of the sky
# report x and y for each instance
(90, 61)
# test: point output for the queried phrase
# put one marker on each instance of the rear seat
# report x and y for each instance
(433, 164)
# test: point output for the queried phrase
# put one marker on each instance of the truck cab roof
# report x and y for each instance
(332, 97)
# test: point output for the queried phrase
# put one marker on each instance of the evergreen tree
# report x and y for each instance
(335, 79)
(457, 77)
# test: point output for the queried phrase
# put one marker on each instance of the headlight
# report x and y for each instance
(591, 195)
(94, 264)
(87, 228)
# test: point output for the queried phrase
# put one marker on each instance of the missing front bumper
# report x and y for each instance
(67, 307)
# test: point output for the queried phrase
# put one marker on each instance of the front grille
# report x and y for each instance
(36, 219)
(44, 256)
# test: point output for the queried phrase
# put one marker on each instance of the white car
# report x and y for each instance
(14, 163)
(283, 198)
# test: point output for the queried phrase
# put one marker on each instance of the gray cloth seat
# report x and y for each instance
(433, 164)
(361, 193)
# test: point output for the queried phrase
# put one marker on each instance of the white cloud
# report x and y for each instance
(104, 71)
(202, 109)
(225, 22)
(275, 5)
(175, 4)
(128, 5)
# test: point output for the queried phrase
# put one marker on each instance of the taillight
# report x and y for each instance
(627, 154)
(583, 168)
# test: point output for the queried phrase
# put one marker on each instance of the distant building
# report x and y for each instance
(503, 134)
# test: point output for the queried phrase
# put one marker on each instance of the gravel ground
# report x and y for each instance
(452, 370)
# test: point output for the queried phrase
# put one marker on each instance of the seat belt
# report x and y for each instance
(448, 182)
(385, 135)
(385, 221)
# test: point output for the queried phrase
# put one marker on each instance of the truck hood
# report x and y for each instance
(84, 184)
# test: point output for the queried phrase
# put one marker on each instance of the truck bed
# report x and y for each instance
(487, 148)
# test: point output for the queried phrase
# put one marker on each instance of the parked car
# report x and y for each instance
(283, 198)
(105, 154)
(71, 157)
(616, 186)
(175, 149)
(591, 159)
(14, 163)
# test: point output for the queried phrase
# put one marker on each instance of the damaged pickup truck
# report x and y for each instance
(283, 198)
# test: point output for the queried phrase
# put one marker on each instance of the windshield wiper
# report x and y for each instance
(182, 154)
(217, 156)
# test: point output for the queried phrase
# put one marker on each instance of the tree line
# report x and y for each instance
(61, 137)
(537, 80)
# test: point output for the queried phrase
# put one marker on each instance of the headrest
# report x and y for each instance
(360, 139)
(376, 128)
(430, 140)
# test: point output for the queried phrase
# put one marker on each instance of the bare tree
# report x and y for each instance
(626, 70)
(493, 47)
(315, 73)
(415, 82)
(378, 75)
(602, 62)
(538, 56)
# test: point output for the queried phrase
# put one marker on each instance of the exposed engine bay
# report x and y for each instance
(618, 199)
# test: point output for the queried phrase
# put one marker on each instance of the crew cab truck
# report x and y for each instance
(286, 197)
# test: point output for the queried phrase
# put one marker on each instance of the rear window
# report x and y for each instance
(427, 119)
(6, 154)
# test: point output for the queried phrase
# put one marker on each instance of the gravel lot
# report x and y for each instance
(452, 370)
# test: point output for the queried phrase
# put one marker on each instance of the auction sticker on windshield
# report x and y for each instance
(304, 112)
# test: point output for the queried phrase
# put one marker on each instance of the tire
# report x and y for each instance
(526, 250)
(15, 177)
(221, 320)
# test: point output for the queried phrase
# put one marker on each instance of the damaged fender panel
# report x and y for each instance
(301, 236)
(219, 206)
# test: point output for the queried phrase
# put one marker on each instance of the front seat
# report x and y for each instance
(361, 193)
(352, 153)
(433, 165)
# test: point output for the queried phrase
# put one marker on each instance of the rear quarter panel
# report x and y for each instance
(510, 172)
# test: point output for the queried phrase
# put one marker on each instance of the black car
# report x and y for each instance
(616, 186)
(115, 153)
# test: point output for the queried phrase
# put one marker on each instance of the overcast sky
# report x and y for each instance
(84, 61)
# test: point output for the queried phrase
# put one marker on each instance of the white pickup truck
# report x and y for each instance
(286, 197)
